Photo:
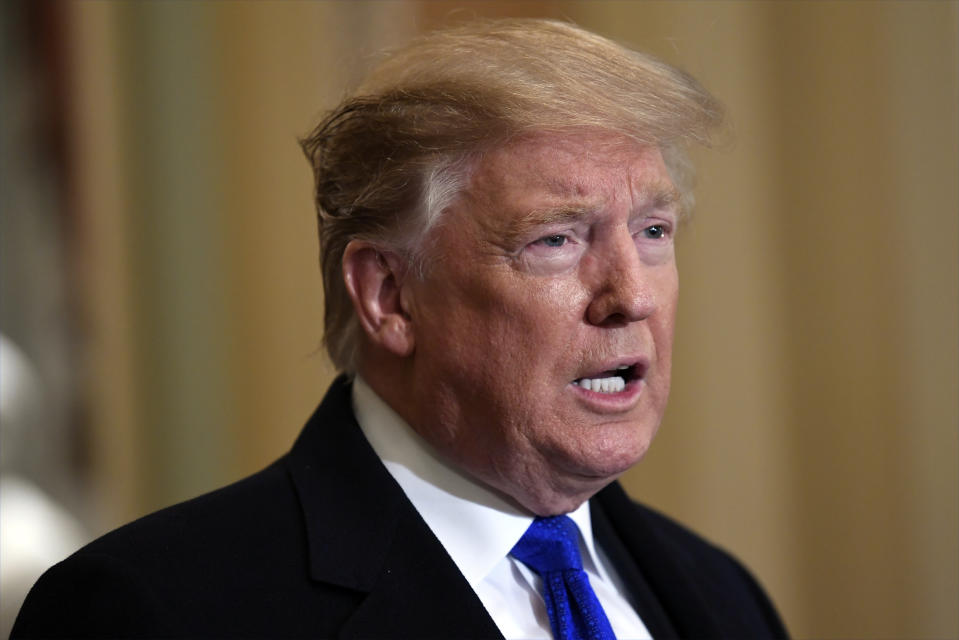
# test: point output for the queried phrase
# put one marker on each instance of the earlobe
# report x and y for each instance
(374, 278)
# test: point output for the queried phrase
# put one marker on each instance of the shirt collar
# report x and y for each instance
(458, 509)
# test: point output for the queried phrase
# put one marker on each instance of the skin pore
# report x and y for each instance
(534, 353)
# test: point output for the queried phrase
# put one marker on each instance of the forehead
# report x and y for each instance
(588, 168)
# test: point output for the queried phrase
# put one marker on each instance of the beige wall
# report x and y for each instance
(813, 424)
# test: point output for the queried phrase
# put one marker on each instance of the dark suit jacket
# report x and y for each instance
(323, 543)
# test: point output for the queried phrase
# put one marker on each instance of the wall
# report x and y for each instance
(813, 423)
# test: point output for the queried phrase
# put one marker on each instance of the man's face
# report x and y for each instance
(543, 327)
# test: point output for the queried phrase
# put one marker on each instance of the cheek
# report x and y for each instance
(526, 311)
(543, 324)
(663, 331)
(467, 338)
(669, 298)
(500, 354)
(553, 302)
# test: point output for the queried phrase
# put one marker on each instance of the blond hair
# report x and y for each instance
(390, 158)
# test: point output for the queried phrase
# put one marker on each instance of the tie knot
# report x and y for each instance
(550, 544)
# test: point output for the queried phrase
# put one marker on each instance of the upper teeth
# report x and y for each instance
(613, 384)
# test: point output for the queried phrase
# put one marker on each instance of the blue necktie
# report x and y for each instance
(549, 547)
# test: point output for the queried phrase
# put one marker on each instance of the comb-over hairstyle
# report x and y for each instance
(390, 158)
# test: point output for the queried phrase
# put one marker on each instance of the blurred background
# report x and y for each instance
(161, 305)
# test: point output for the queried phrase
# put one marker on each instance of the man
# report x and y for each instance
(497, 206)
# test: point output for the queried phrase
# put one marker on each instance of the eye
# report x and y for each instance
(655, 232)
(553, 253)
(555, 241)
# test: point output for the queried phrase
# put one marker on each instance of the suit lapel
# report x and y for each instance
(365, 535)
(647, 605)
(669, 571)
(420, 594)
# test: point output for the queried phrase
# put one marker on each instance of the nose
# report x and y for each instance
(624, 293)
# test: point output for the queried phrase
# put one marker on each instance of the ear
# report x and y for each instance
(374, 278)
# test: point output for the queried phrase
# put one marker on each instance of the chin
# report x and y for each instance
(559, 499)
(557, 507)
(572, 486)
(609, 457)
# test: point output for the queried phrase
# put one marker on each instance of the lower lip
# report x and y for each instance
(610, 402)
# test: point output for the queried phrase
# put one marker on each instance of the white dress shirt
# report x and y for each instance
(478, 527)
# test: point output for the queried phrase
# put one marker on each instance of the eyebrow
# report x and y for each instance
(657, 195)
(522, 226)
(664, 196)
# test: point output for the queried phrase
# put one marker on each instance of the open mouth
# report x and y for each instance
(610, 381)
